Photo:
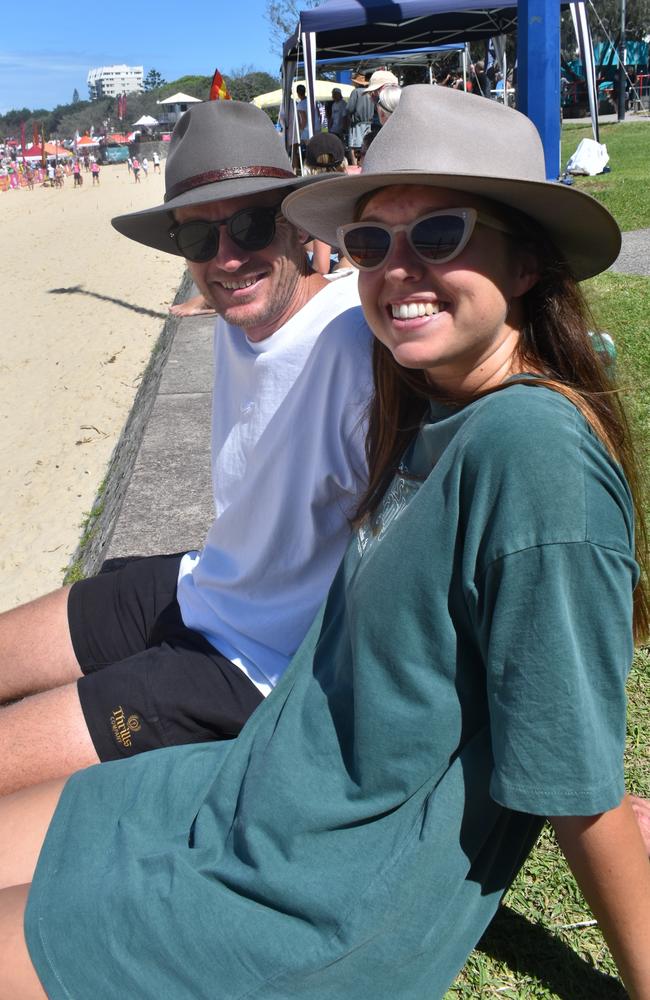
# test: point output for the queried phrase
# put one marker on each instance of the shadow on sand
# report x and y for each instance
(80, 290)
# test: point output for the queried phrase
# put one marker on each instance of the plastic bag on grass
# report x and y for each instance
(590, 158)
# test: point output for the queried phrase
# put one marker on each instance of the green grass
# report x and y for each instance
(625, 190)
(529, 951)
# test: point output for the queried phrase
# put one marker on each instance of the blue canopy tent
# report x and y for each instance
(368, 28)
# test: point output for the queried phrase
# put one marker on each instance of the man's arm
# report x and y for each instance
(607, 856)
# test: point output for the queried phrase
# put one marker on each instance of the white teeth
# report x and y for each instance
(412, 310)
(238, 284)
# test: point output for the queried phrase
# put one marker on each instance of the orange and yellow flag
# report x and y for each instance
(218, 90)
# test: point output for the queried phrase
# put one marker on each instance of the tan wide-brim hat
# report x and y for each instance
(218, 150)
(446, 138)
(381, 78)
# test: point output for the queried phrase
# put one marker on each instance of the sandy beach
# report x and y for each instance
(82, 308)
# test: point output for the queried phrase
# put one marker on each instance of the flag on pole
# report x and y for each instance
(218, 90)
(22, 139)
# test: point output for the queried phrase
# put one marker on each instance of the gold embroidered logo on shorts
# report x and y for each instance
(123, 727)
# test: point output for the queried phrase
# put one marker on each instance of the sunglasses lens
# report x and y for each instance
(438, 237)
(197, 241)
(253, 228)
(366, 246)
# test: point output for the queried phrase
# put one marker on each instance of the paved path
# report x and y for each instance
(158, 496)
(634, 257)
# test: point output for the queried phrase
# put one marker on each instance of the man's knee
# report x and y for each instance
(36, 651)
(43, 736)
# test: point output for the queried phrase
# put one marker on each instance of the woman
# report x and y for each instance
(461, 681)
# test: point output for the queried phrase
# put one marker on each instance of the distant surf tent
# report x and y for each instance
(145, 121)
(58, 150)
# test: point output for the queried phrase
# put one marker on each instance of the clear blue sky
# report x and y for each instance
(47, 48)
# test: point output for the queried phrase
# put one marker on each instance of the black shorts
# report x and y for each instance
(149, 681)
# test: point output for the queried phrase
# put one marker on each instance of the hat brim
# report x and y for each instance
(152, 225)
(582, 230)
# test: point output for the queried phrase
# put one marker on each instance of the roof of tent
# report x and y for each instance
(364, 27)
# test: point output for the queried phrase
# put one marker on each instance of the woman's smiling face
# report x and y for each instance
(460, 321)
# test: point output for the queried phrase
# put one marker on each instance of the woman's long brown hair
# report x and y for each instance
(556, 344)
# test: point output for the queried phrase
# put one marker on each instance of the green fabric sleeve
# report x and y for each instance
(555, 621)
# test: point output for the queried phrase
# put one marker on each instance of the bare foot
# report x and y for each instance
(641, 809)
(196, 306)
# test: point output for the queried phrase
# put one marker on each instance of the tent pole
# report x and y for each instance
(538, 74)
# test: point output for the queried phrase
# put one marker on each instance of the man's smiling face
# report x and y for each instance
(258, 290)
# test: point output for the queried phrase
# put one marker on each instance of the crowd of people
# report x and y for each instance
(369, 105)
(327, 741)
(16, 173)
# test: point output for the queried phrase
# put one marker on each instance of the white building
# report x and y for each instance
(109, 81)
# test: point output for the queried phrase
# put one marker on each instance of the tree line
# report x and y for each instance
(65, 120)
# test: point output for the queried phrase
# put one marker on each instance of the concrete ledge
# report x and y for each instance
(95, 544)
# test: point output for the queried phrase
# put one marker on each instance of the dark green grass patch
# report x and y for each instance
(625, 190)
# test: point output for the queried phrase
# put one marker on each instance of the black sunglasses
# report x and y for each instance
(436, 237)
(250, 228)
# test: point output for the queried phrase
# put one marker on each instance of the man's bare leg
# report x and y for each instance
(43, 736)
(196, 306)
(35, 647)
(18, 976)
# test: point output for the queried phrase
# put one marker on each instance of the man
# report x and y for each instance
(181, 649)
(480, 80)
(299, 132)
(360, 113)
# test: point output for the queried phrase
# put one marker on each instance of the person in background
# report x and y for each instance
(480, 80)
(325, 155)
(360, 114)
(338, 118)
(387, 102)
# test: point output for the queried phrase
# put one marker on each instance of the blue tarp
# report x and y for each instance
(367, 27)
(636, 54)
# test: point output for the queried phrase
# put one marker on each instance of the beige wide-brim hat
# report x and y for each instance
(218, 150)
(446, 138)
(381, 78)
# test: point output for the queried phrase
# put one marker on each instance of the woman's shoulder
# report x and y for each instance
(529, 422)
(528, 447)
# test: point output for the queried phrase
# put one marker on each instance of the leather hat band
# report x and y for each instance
(230, 173)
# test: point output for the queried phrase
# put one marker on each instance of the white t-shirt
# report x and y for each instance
(288, 464)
